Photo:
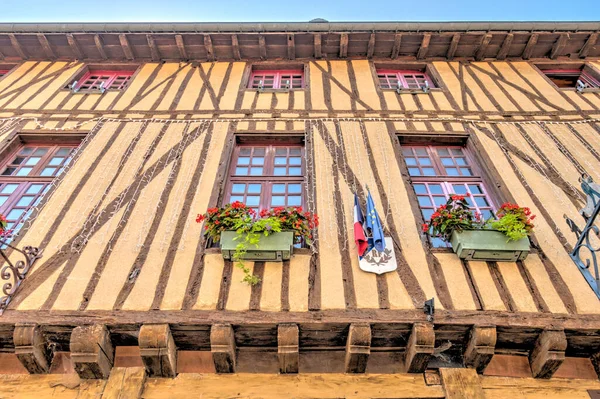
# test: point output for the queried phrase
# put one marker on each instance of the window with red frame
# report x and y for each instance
(95, 80)
(281, 79)
(26, 175)
(403, 79)
(567, 78)
(3, 72)
(439, 171)
(266, 176)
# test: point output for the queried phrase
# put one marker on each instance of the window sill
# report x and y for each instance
(275, 90)
(414, 91)
(92, 91)
(592, 90)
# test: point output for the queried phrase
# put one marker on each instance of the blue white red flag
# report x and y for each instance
(359, 231)
(374, 226)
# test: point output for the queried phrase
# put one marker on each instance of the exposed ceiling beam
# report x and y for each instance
(396, 46)
(485, 41)
(208, 46)
(530, 45)
(181, 47)
(559, 45)
(262, 46)
(371, 46)
(17, 46)
(153, 48)
(291, 46)
(235, 44)
(505, 48)
(126, 47)
(343, 45)
(453, 46)
(100, 46)
(424, 46)
(46, 46)
(75, 46)
(317, 40)
(590, 42)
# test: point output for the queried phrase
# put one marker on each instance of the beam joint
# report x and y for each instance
(559, 45)
(100, 47)
(485, 41)
(31, 348)
(126, 47)
(158, 351)
(419, 347)
(480, 348)
(589, 43)
(75, 46)
(505, 48)
(530, 45)
(453, 46)
(288, 348)
(17, 46)
(222, 346)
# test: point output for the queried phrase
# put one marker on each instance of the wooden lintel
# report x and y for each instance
(485, 41)
(424, 46)
(288, 348)
(75, 46)
(153, 48)
(453, 46)
(31, 348)
(461, 383)
(371, 46)
(208, 46)
(46, 46)
(291, 46)
(17, 46)
(559, 45)
(419, 347)
(92, 352)
(125, 382)
(480, 348)
(548, 353)
(358, 348)
(100, 46)
(158, 351)
(126, 47)
(235, 44)
(589, 43)
(181, 47)
(343, 45)
(505, 48)
(530, 45)
(317, 41)
(396, 46)
(222, 346)
(262, 45)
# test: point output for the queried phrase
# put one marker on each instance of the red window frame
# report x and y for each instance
(3, 72)
(262, 186)
(276, 79)
(588, 80)
(113, 80)
(409, 79)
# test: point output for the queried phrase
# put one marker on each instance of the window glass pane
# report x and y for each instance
(460, 161)
(439, 200)
(294, 200)
(48, 172)
(410, 161)
(452, 171)
(24, 171)
(238, 188)
(447, 162)
(243, 161)
(465, 171)
(420, 189)
(487, 214)
(25, 200)
(436, 189)
(35, 188)
(55, 161)
(421, 151)
(481, 201)
(475, 189)
(234, 198)
(259, 152)
(428, 171)
(254, 188)
(64, 151)
(295, 161)
(414, 172)
(26, 151)
(18, 160)
(295, 151)
(459, 189)
(295, 171)
(245, 151)
(277, 200)
(14, 214)
(281, 151)
(280, 160)
(427, 213)
(241, 171)
(9, 188)
(443, 151)
(457, 151)
(424, 161)
(279, 188)
(32, 161)
(407, 151)
(8, 171)
(258, 161)
(294, 188)
(252, 200)
(469, 201)
(40, 151)
(424, 201)
(3, 200)
(279, 171)
(256, 171)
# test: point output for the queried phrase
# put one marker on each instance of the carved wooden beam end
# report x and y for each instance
(420, 347)
(92, 352)
(288, 348)
(480, 348)
(222, 346)
(358, 348)
(158, 350)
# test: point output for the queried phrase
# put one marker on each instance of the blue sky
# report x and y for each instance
(302, 10)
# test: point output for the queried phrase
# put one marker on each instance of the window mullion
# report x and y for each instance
(436, 161)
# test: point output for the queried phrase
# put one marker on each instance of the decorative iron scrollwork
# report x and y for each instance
(14, 274)
(588, 238)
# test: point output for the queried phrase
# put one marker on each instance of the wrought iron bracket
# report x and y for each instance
(14, 273)
(588, 238)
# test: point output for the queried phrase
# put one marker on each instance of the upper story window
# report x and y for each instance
(580, 77)
(277, 79)
(100, 80)
(404, 79)
(5, 68)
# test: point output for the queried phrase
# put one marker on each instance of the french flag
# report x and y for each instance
(359, 232)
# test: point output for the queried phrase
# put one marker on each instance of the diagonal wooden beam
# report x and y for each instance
(530, 45)
(371, 46)
(590, 42)
(291, 46)
(17, 46)
(181, 47)
(424, 46)
(100, 46)
(262, 46)
(559, 45)
(153, 48)
(485, 42)
(208, 46)
(453, 46)
(126, 47)
(396, 46)
(235, 43)
(46, 46)
(343, 45)
(1, 56)
(74, 46)
(317, 40)
(505, 48)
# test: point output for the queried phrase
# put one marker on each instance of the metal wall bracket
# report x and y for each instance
(14, 274)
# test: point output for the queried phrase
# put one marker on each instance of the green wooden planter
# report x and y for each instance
(488, 245)
(275, 247)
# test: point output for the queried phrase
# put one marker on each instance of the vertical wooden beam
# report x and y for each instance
(181, 47)
(158, 350)
(222, 346)
(46, 46)
(75, 46)
(262, 46)
(548, 353)
(505, 48)
(419, 347)
(559, 45)
(461, 384)
(589, 43)
(317, 41)
(31, 348)
(17, 46)
(485, 41)
(396, 46)
(153, 48)
(480, 348)
(453, 46)
(371, 46)
(424, 46)
(92, 352)
(125, 382)
(126, 47)
(343, 45)
(236, 47)
(100, 46)
(288, 348)
(210, 51)
(358, 347)
(530, 45)
(291, 46)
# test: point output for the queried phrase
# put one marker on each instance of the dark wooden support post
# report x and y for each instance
(17, 46)
(158, 350)
(100, 46)
(291, 46)
(590, 42)
(208, 46)
(530, 45)
(461, 384)
(92, 352)
(371, 46)
(343, 45)
(75, 46)
(453, 46)
(31, 348)
(480, 348)
(595, 358)
(46, 46)
(126, 47)
(262, 46)
(181, 47)
(317, 41)
(288, 348)
(419, 348)
(424, 46)
(505, 48)
(396, 46)
(358, 347)
(235, 43)
(548, 353)
(559, 45)
(222, 346)
(153, 49)
(485, 41)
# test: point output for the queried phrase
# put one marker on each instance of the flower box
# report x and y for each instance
(275, 247)
(490, 245)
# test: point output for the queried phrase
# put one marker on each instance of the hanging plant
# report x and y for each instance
(455, 215)
(514, 221)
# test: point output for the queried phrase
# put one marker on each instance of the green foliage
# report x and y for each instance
(455, 215)
(514, 221)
